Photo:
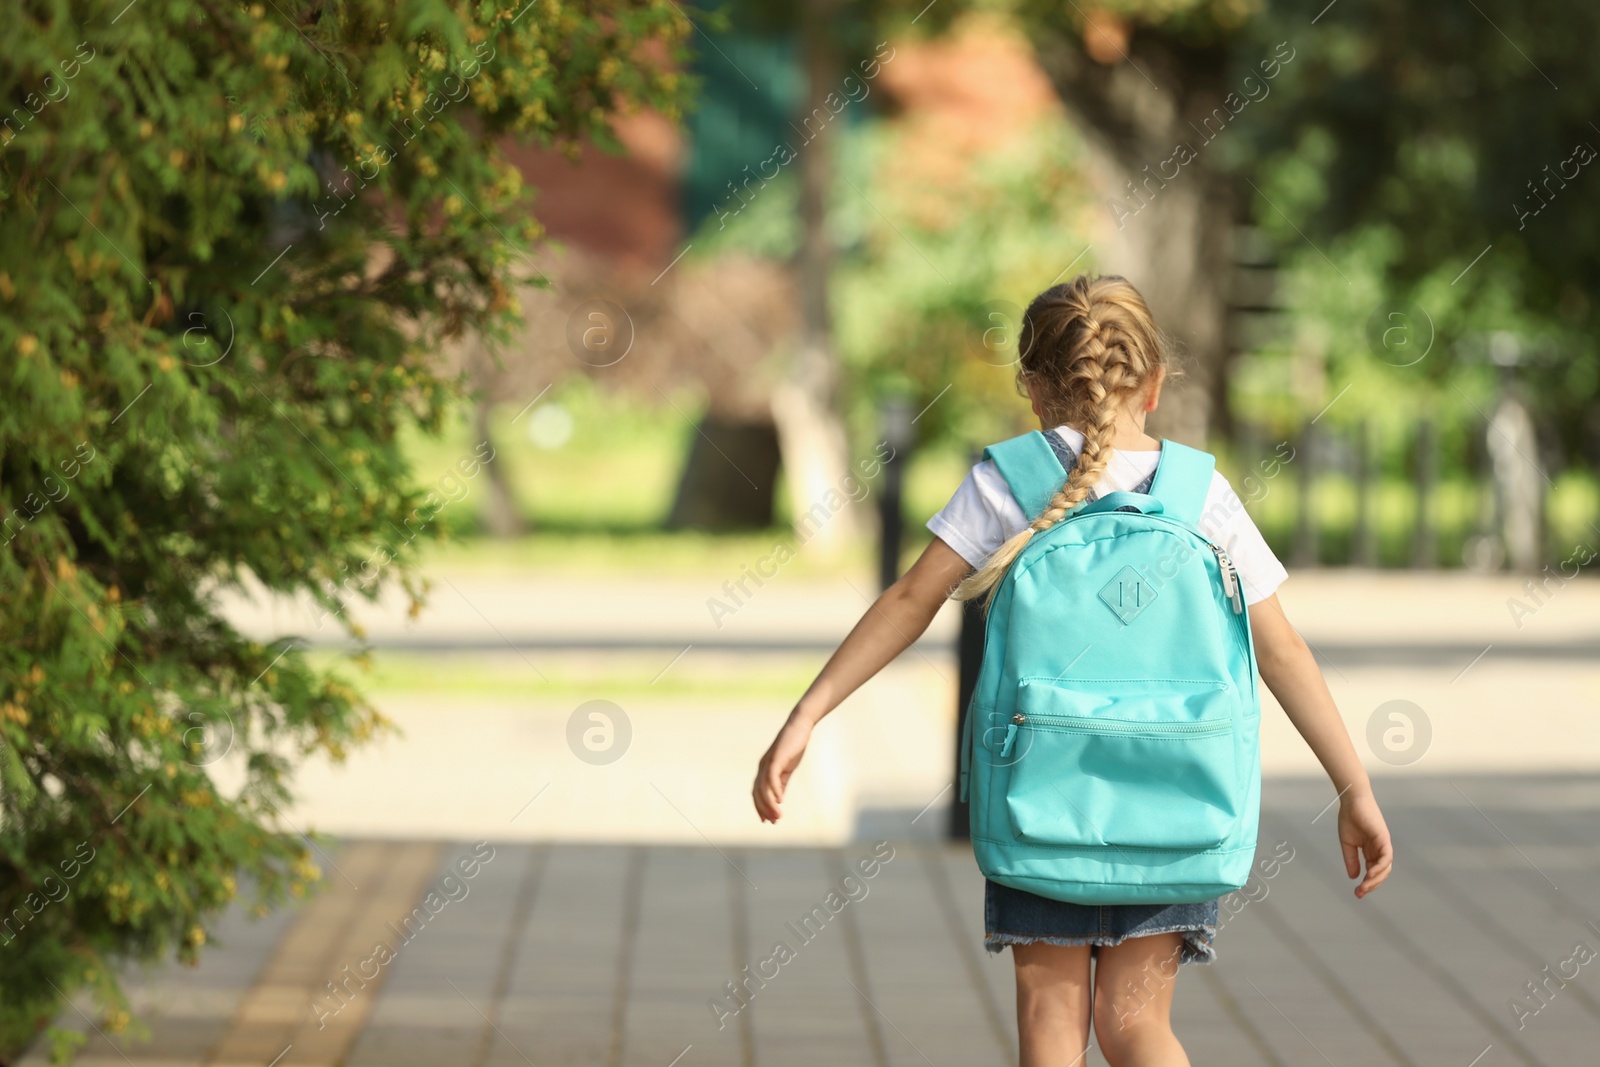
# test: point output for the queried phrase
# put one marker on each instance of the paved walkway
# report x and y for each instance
(612, 955)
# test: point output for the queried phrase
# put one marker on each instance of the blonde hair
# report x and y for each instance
(1086, 348)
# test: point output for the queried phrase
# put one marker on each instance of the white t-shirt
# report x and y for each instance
(983, 515)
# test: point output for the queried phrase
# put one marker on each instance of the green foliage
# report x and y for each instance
(231, 240)
(936, 259)
(940, 268)
(934, 269)
(1411, 138)
(1423, 139)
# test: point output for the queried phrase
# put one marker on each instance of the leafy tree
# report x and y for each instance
(231, 238)
(940, 264)
(1423, 133)
(1147, 81)
(1452, 151)
(813, 55)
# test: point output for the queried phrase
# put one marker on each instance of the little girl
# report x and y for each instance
(1093, 362)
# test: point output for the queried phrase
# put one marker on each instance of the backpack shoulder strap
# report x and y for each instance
(1031, 468)
(1182, 479)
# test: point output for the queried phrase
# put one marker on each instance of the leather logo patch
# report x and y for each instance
(1128, 594)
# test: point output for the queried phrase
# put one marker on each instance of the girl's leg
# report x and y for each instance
(1133, 1002)
(1052, 1003)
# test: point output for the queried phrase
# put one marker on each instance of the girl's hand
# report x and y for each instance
(772, 776)
(1364, 834)
(898, 617)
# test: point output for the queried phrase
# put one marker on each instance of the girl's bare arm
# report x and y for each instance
(896, 619)
(1291, 672)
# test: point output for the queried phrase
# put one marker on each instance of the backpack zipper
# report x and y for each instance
(1109, 726)
(1011, 734)
(1230, 577)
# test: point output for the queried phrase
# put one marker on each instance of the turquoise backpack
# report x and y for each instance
(1112, 739)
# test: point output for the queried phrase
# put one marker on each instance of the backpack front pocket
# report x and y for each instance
(1147, 769)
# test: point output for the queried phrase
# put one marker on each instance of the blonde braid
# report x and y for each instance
(1091, 344)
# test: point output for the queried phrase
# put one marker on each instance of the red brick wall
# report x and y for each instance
(623, 207)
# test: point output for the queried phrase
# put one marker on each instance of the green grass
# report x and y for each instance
(596, 502)
(1457, 505)
(652, 552)
(1573, 513)
(617, 471)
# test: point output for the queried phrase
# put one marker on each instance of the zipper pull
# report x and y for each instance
(1011, 734)
(1230, 578)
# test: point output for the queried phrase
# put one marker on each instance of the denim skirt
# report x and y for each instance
(1016, 917)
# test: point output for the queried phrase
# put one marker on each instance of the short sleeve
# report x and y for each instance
(980, 517)
(1226, 522)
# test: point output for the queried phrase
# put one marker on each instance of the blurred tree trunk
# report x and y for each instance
(500, 515)
(728, 478)
(1137, 102)
(805, 405)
